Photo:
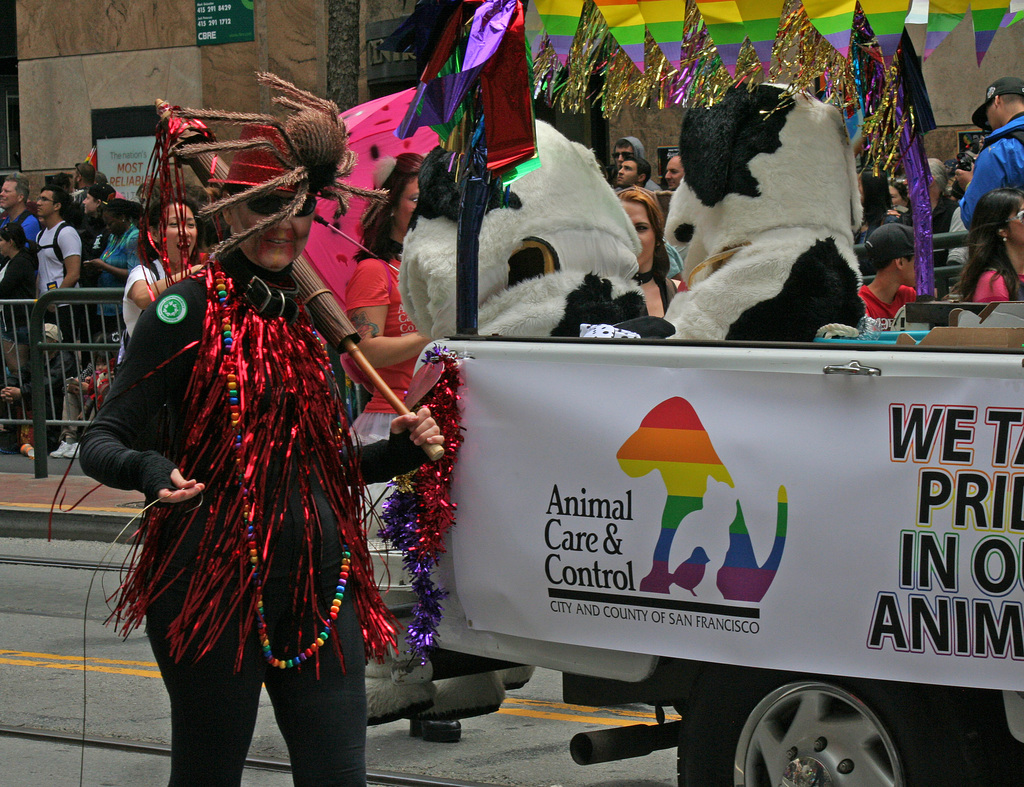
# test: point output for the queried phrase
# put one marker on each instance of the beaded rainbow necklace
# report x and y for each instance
(230, 372)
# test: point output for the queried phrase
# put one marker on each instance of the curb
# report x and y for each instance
(105, 525)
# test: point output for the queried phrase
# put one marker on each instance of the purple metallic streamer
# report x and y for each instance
(417, 515)
(915, 164)
(400, 529)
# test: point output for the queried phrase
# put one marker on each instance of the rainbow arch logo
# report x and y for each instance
(672, 440)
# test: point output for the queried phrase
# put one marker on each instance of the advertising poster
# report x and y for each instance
(124, 161)
(869, 527)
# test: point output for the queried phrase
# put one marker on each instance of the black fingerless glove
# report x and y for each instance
(154, 473)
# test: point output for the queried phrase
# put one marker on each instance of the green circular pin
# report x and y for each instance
(172, 309)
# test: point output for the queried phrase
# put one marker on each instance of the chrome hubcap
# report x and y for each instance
(811, 734)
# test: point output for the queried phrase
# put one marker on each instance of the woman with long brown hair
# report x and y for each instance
(649, 222)
(994, 270)
(389, 339)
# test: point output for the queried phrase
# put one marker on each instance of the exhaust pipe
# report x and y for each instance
(621, 743)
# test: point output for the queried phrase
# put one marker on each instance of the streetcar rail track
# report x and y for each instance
(48, 562)
(382, 778)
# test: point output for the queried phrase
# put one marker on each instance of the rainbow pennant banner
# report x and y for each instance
(560, 19)
(943, 16)
(834, 20)
(626, 24)
(664, 20)
(986, 16)
(761, 21)
(1014, 15)
(887, 18)
(534, 28)
(725, 27)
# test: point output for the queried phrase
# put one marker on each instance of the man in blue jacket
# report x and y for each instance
(1001, 162)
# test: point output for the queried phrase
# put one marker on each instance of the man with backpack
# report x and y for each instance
(14, 201)
(60, 253)
(1001, 162)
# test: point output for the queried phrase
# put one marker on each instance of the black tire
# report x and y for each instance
(900, 734)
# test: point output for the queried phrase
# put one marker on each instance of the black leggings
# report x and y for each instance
(213, 708)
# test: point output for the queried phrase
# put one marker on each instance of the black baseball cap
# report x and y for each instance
(889, 242)
(101, 192)
(1001, 87)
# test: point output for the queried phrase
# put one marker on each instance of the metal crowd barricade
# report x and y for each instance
(47, 357)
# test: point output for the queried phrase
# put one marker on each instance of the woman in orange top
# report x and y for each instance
(389, 339)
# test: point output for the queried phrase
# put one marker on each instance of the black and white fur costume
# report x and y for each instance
(562, 220)
(769, 173)
(557, 252)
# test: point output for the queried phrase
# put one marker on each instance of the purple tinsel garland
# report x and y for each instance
(420, 512)
(401, 519)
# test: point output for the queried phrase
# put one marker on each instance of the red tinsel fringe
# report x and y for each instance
(290, 418)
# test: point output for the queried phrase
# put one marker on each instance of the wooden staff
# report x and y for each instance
(334, 325)
(330, 321)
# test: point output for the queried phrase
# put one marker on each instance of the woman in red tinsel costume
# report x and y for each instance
(254, 567)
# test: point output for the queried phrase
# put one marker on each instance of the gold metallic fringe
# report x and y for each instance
(884, 128)
(626, 85)
(801, 58)
(589, 51)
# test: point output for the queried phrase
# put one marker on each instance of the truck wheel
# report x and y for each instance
(761, 728)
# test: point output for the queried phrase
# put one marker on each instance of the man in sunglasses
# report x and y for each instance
(1001, 162)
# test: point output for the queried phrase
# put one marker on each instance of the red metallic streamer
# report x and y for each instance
(289, 418)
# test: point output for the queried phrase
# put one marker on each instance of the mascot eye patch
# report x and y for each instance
(684, 233)
(535, 257)
(439, 192)
(744, 125)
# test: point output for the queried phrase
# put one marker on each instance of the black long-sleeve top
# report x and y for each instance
(17, 283)
(155, 375)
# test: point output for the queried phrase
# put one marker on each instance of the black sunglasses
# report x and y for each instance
(272, 204)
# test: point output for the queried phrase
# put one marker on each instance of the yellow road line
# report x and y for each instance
(59, 657)
(604, 721)
(580, 708)
(79, 668)
(535, 709)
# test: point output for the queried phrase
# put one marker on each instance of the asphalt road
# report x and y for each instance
(52, 621)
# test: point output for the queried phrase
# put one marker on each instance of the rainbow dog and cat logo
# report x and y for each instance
(672, 440)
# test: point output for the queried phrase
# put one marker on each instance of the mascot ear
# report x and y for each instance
(743, 125)
(439, 194)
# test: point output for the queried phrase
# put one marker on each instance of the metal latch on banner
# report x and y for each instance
(853, 367)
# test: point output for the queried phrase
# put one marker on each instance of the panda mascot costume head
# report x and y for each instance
(767, 205)
(556, 250)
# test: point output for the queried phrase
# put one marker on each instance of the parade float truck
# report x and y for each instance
(813, 553)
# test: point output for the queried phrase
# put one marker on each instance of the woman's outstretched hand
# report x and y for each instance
(185, 490)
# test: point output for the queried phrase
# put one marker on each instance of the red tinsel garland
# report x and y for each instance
(420, 512)
(432, 484)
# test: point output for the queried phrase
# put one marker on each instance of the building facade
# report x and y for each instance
(78, 74)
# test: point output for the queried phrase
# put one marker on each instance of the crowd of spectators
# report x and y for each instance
(77, 232)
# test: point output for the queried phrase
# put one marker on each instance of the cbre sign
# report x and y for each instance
(224, 21)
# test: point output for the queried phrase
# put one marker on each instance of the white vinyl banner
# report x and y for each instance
(858, 526)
